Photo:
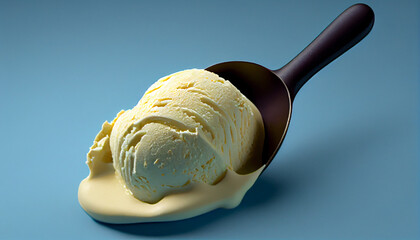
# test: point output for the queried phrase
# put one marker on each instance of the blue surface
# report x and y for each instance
(348, 168)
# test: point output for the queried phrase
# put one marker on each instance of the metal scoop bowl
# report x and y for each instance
(273, 91)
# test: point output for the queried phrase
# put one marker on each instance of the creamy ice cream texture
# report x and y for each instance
(192, 143)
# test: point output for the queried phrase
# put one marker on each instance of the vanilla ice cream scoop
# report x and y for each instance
(188, 127)
(193, 143)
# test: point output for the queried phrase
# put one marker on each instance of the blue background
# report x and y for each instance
(348, 168)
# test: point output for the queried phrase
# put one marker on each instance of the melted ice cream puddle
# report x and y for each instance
(105, 198)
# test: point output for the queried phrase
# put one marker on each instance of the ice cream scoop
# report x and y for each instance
(273, 91)
(193, 143)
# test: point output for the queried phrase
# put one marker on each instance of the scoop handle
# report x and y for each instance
(342, 34)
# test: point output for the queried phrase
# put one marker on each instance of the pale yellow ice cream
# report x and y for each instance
(189, 128)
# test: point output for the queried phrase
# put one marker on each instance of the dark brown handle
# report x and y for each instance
(342, 34)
